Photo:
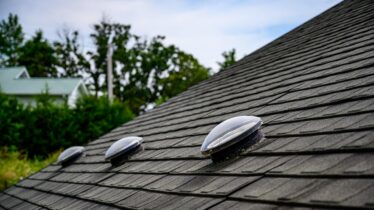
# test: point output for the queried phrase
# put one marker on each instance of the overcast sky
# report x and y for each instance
(204, 28)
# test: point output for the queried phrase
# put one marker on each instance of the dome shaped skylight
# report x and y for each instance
(122, 148)
(241, 130)
(70, 154)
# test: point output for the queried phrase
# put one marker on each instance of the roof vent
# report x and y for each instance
(69, 155)
(122, 149)
(231, 136)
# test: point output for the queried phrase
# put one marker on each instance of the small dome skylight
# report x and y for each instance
(230, 136)
(70, 154)
(122, 149)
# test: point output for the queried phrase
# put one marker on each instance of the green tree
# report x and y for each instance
(229, 58)
(155, 72)
(47, 127)
(11, 40)
(70, 55)
(100, 38)
(38, 55)
(149, 62)
(142, 68)
(187, 71)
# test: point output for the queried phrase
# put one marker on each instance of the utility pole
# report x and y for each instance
(110, 73)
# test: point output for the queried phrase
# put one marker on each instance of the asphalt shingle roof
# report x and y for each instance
(314, 90)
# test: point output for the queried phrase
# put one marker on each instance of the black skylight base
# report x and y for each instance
(235, 149)
(119, 160)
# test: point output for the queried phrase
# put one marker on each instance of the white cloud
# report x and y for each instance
(203, 28)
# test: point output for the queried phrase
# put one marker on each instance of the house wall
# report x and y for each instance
(31, 100)
(70, 99)
(75, 95)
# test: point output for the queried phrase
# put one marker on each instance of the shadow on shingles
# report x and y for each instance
(70, 162)
(122, 159)
(233, 154)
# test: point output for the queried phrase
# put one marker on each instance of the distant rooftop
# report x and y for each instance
(16, 81)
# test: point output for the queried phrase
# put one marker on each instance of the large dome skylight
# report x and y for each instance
(122, 148)
(231, 132)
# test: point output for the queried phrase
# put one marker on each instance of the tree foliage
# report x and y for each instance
(229, 58)
(39, 56)
(144, 71)
(69, 55)
(25, 127)
(11, 40)
(187, 71)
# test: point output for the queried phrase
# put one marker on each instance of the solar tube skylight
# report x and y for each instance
(237, 131)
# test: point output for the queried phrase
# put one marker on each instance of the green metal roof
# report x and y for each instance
(10, 73)
(12, 85)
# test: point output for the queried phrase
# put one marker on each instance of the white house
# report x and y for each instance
(17, 82)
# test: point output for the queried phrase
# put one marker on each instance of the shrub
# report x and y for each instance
(45, 128)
